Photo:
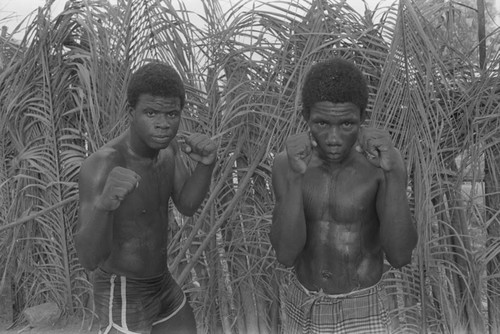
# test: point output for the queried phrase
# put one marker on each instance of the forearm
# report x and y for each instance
(288, 230)
(397, 232)
(94, 238)
(195, 189)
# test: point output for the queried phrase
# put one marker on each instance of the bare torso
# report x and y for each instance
(342, 252)
(140, 224)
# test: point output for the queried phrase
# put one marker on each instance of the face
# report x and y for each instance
(155, 121)
(335, 128)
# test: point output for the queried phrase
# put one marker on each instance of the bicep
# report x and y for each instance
(180, 175)
(92, 177)
(278, 176)
(380, 200)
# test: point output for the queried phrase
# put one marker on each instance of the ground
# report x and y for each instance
(72, 326)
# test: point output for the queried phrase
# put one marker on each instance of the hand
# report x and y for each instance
(378, 148)
(200, 148)
(299, 150)
(121, 181)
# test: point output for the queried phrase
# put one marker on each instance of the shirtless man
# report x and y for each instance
(125, 188)
(341, 206)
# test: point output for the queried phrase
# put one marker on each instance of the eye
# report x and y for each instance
(347, 124)
(173, 114)
(321, 123)
(150, 113)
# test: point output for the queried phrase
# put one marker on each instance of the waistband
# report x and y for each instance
(355, 293)
(101, 273)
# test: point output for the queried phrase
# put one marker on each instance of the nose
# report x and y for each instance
(333, 138)
(162, 121)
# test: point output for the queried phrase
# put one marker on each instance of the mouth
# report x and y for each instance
(334, 150)
(334, 154)
(161, 139)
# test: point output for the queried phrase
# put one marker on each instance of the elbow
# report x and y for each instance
(399, 254)
(398, 262)
(284, 253)
(85, 257)
(285, 259)
(87, 261)
(87, 264)
(187, 207)
(400, 258)
(187, 211)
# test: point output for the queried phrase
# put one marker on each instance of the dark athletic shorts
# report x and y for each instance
(126, 305)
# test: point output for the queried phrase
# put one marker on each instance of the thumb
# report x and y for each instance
(357, 147)
(313, 141)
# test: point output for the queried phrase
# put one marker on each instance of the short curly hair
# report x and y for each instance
(335, 80)
(157, 79)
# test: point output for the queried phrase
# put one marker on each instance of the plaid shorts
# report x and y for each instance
(361, 311)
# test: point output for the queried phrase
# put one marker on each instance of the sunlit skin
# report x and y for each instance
(125, 189)
(340, 202)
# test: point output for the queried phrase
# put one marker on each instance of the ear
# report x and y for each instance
(305, 115)
(362, 116)
(130, 110)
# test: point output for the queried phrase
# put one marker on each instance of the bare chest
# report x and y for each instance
(344, 196)
(150, 198)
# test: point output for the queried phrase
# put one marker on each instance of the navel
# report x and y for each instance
(326, 274)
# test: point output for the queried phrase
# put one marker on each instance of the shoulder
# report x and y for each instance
(366, 168)
(280, 166)
(279, 172)
(98, 165)
(103, 156)
(280, 161)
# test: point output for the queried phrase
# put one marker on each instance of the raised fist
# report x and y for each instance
(299, 150)
(120, 182)
(200, 148)
(378, 148)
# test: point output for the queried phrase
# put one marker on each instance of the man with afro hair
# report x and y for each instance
(341, 208)
(125, 188)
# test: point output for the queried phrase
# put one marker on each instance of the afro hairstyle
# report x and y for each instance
(335, 80)
(157, 79)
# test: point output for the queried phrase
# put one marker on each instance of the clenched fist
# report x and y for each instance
(378, 148)
(200, 148)
(120, 182)
(299, 150)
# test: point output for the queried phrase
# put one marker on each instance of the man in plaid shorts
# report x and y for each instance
(341, 207)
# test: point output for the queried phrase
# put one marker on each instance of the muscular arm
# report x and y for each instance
(190, 189)
(93, 237)
(288, 230)
(397, 233)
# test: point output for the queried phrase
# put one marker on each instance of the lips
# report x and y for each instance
(334, 154)
(333, 150)
(161, 139)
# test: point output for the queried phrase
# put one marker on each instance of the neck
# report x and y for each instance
(137, 148)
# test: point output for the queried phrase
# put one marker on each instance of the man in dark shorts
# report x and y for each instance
(341, 207)
(125, 188)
